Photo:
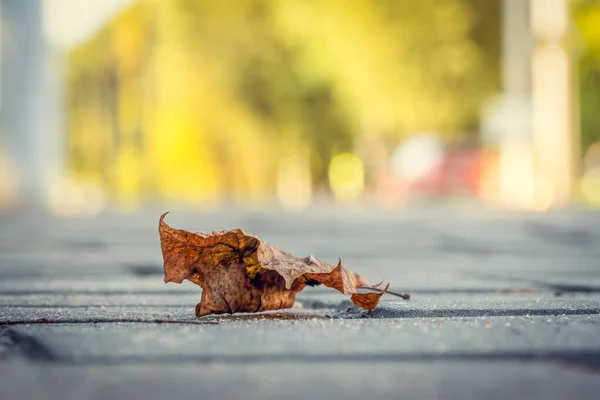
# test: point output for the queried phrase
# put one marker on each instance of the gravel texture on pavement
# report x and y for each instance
(503, 305)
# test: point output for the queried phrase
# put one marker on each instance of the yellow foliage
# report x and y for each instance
(194, 101)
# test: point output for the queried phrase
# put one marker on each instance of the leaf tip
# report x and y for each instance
(163, 216)
(377, 284)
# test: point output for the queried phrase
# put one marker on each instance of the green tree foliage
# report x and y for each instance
(587, 18)
(197, 100)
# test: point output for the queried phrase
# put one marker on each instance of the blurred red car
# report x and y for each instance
(458, 173)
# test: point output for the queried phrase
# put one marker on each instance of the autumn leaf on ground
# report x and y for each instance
(239, 272)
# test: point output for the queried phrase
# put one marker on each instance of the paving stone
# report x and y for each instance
(428, 379)
(504, 305)
(240, 339)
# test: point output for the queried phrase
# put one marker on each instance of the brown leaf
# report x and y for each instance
(368, 301)
(241, 273)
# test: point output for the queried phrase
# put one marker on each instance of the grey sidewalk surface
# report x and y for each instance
(504, 305)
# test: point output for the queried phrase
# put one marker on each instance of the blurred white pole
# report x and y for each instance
(508, 124)
(553, 111)
(533, 123)
(24, 99)
(35, 36)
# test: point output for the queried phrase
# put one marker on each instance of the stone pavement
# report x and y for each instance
(503, 306)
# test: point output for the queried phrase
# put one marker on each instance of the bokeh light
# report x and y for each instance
(417, 157)
(346, 177)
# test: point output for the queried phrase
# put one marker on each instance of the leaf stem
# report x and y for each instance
(405, 296)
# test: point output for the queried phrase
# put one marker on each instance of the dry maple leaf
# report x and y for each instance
(240, 273)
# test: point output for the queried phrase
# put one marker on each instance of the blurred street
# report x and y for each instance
(504, 305)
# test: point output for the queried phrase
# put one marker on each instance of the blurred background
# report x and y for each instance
(122, 104)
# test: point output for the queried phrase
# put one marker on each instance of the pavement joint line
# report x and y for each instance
(382, 313)
(488, 312)
(588, 359)
(93, 306)
(557, 287)
(44, 321)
